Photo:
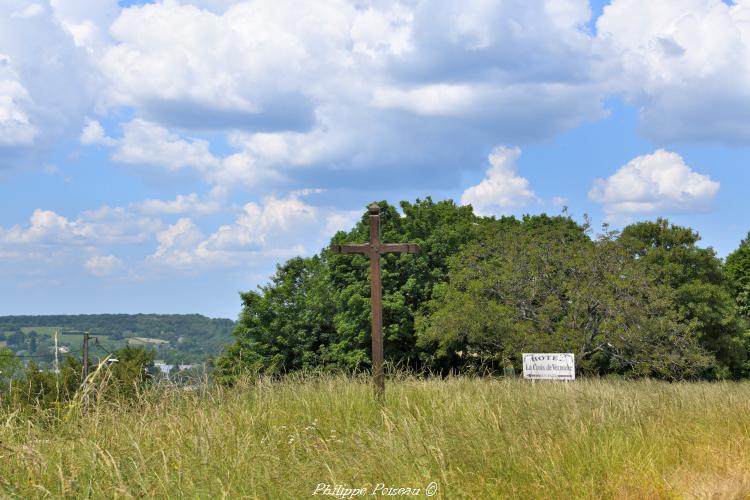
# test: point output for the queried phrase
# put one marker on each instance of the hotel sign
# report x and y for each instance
(549, 366)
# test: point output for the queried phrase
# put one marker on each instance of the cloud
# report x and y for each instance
(44, 226)
(15, 107)
(257, 222)
(261, 233)
(45, 81)
(86, 21)
(660, 182)
(389, 86)
(31, 10)
(501, 42)
(502, 189)
(684, 63)
(271, 229)
(182, 204)
(147, 143)
(341, 221)
(249, 67)
(104, 226)
(93, 133)
(103, 266)
(177, 245)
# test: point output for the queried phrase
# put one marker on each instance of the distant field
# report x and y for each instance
(75, 340)
(472, 438)
(44, 330)
(146, 341)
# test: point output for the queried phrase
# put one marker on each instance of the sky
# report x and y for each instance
(163, 156)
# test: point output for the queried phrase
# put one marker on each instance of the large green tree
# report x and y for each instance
(702, 291)
(737, 267)
(315, 312)
(483, 290)
(544, 286)
(285, 325)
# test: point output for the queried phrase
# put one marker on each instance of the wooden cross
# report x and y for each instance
(373, 250)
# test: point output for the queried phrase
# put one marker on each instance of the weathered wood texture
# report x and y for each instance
(374, 250)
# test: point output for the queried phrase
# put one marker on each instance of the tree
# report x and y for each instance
(440, 229)
(703, 293)
(316, 311)
(10, 365)
(482, 290)
(737, 267)
(545, 286)
(133, 368)
(285, 325)
(32, 341)
(16, 338)
(45, 388)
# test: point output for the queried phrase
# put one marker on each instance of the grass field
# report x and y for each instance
(472, 438)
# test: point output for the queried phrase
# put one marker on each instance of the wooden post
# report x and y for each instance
(85, 356)
(373, 250)
(376, 301)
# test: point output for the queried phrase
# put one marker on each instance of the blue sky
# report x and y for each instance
(162, 156)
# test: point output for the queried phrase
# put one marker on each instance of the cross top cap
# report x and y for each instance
(374, 209)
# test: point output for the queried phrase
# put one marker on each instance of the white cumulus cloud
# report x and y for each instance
(103, 226)
(270, 229)
(46, 82)
(93, 133)
(103, 266)
(144, 142)
(684, 63)
(15, 104)
(655, 183)
(257, 222)
(347, 90)
(502, 189)
(190, 203)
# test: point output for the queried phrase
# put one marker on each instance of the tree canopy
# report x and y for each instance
(645, 302)
(738, 271)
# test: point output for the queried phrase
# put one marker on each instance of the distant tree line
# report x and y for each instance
(192, 338)
(145, 324)
(646, 301)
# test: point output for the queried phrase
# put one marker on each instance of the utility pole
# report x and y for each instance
(57, 365)
(85, 356)
(57, 370)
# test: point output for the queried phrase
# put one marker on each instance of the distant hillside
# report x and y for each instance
(183, 338)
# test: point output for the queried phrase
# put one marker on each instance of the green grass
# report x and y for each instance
(475, 438)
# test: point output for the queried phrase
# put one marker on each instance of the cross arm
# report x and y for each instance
(399, 248)
(365, 248)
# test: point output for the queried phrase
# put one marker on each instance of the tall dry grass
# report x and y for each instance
(473, 437)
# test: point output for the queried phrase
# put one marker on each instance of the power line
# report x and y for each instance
(103, 349)
(25, 356)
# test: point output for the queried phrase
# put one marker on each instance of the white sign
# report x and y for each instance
(549, 366)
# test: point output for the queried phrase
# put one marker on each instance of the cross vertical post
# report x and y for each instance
(373, 250)
(376, 300)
